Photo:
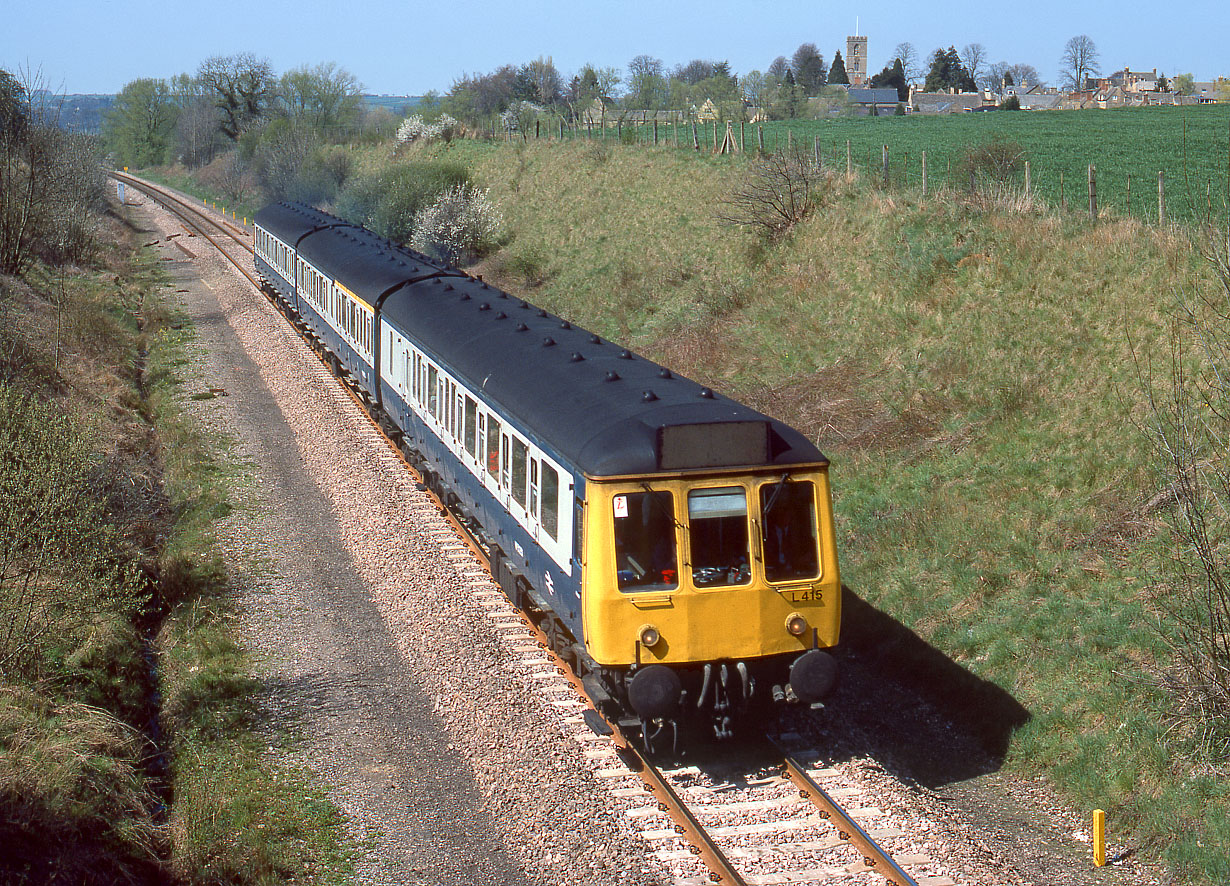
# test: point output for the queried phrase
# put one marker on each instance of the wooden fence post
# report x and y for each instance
(695, 137)
(924, 174)
(760, 137)
(884, 158)
(819, 159)
(1129, 194)
(849, 160)
(655, 131)
(741, 147)
(1093, 192)
(1028, 181)
(1161, 197)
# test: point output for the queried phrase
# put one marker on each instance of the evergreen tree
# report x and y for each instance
(837, 73)
(948, 72)
(893, 76)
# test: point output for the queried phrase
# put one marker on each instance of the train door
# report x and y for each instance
(505, 470)
(532, 504)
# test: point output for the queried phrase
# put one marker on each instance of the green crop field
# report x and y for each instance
(1128, 147)
(1188, 144)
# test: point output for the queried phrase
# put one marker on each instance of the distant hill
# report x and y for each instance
(85, 112)
(79, 112)
(394, 103)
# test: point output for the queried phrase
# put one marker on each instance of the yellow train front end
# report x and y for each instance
(705, 593)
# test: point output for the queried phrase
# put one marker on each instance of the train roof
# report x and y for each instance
(608, 411)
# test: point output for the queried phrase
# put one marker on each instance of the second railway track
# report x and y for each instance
(712, 824)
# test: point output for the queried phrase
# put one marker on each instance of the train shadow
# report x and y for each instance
(901, 703)
(911, 708)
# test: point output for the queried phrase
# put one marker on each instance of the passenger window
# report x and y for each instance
(519, 458)
(493, 448)
(471, 428)
(550, 501)
(717, 524)
(433, 397)
(645, 541)
(791, 547)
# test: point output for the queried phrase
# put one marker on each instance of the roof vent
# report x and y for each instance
(525, 304)
(648, 397)
(501, 316)
(664, 373)
(465, 296)
(521, 327)
(612, 375)
(435, 281)
(564, 324)
(542, 312)
(548, 342)
(484, 307)
(706, 393)
(448, 288)
(595, 340)
(576, 357)
(625, 354)
(503, 295)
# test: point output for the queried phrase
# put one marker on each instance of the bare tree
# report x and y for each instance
(974, 56)
(242, 87)
(49, 178)
(324, 97)
(1079, 62)
(909, 61)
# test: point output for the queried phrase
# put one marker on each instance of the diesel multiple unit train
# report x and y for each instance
(677, 547)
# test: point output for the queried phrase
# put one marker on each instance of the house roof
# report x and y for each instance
(877, 96)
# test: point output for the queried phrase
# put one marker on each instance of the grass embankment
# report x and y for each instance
(971, 375)
(129, 749)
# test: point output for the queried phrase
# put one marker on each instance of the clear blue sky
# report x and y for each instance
(406, 47)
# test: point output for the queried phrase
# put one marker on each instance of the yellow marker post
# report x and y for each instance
(1099, 837)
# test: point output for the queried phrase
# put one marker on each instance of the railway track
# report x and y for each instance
(781, 824)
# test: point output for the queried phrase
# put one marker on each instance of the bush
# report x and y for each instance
(416, 129)
(322, 176)
(460, 226)
(996, 162)
(387, 202)
(778, 192)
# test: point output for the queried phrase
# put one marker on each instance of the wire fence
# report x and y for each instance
(1171, 192)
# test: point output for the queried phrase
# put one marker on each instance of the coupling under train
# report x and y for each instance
(676, 547)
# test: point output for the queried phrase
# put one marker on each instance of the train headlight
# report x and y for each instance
(796, 624)
(649, 636)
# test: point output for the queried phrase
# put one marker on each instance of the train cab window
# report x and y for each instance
(791, 550)
(471, 426)
(493, 448)
(550, 501)
(433, 397)
(717, 532)
(645, 554)
(520, 457)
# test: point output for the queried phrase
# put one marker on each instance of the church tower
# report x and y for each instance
(856, 60)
